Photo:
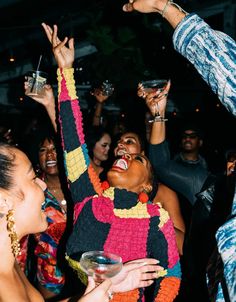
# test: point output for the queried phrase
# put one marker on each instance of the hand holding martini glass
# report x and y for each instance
(153, 86)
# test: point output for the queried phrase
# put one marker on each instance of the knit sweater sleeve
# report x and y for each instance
(213, 54)
(82, 179)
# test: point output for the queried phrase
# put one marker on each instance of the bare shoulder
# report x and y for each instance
(166, 190)
(165, 194)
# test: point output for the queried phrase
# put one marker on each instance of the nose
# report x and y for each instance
(121, 144)
(50, 153)
(42, 184)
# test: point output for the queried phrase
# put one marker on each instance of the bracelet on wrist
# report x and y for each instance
(168, 3)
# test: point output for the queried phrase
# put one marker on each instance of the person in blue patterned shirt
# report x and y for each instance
(213, 54)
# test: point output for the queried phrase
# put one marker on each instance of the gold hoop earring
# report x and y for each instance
(15, 245)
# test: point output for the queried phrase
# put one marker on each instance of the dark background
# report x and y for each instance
(124, 48)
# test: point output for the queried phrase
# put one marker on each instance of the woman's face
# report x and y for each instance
(131, 172)
(27, 195)
(102, 147)
(128, 143)
(48, 158)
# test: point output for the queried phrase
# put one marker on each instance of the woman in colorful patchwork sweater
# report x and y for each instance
(116, 218)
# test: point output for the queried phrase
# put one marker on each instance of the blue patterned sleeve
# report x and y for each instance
(212, 53)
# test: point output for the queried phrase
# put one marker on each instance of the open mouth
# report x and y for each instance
(51, 163)
(188, 145)
(121, 152)
(120, 164)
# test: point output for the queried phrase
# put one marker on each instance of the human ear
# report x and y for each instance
(5, 204)
(148, 188)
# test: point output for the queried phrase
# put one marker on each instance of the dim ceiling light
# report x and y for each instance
(12, 59)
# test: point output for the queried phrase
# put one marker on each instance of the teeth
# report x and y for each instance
(51, 163)
(122, 164)
(121, 152)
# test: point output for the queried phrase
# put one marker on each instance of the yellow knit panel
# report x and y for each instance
(138, 211)
(75, 164)
(164, 217)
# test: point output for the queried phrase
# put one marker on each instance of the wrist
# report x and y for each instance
(159, 5)
(173, 9)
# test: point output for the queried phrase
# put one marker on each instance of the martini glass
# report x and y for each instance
(100, 265)
(152, 86)
(107, 88)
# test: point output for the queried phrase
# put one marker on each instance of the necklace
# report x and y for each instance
(63, 202)
(54, 189)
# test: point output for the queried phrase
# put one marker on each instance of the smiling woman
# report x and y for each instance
(50, 279)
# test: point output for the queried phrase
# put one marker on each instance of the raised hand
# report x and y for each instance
(144, 6)
(45, 99)
(98, 94)
(153, 98)
(64, 55)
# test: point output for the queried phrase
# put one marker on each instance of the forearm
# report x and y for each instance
(77, 161)
(213, 54)
(173, 14)
(158, 133)
(97, 114)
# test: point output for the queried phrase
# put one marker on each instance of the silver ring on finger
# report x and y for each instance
(110, 295)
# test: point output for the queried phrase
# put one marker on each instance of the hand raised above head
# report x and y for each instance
(64, 55)
(98, 94)
(159, 96)
(47, 98)
(144, 6)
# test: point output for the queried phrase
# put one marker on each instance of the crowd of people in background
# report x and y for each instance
(79, 186)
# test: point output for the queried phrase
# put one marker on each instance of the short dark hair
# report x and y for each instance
(230, 153)
(194, 128)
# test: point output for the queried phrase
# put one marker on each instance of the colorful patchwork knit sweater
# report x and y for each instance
(112, 219)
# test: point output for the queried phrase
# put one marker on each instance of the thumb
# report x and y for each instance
(105, 285)
(128, 7)
(91, 285)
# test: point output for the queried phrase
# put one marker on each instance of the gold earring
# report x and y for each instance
(15, 245)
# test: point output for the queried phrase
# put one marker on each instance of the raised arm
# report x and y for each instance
(82, 178)
(48, 101)
(212, 53)
(101, 99)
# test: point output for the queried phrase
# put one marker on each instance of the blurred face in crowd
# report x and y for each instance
(48, 157)
(231, 164)
(128, 143)
(6, 134)
(132, 172)
(101, 148)
(190, 141)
